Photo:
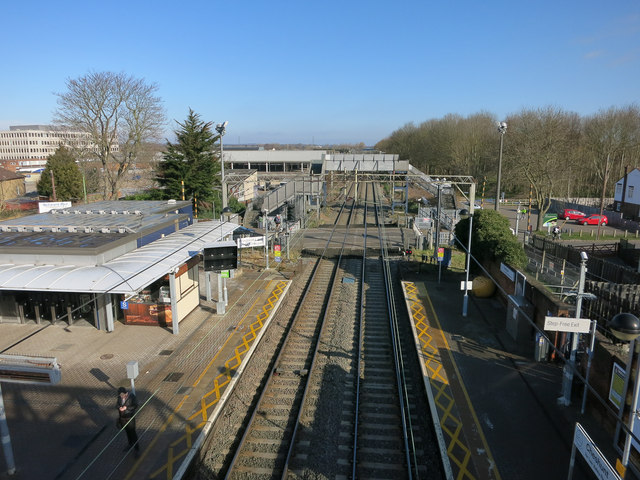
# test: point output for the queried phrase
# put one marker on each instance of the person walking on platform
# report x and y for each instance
(127, 405)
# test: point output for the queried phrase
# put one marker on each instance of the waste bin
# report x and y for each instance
(541, 348)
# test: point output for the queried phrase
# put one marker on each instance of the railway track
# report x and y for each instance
(339, 401)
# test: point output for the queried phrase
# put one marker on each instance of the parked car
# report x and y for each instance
(571, 214)
(594, 220)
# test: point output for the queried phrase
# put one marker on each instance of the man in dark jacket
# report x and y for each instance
(127, 405)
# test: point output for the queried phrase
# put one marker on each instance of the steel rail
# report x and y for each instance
(327, 309)
(312, 281)
(409, 442)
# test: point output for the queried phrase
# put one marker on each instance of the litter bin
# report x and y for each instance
(542, 348)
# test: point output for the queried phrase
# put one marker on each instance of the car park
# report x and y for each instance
(594, 220)
(572, 214)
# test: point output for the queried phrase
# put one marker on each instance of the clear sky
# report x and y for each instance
(326, 72)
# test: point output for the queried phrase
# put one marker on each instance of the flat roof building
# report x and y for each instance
(105, 262)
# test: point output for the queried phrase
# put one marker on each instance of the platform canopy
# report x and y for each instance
(127, 274)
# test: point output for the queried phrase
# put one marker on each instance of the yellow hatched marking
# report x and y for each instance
(212, 397)
(449, 422)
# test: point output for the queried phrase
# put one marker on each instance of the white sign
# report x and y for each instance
(469, 285)
(508, 272)
(565, 324)
(44, 207)
(591, 453)
(246, 242)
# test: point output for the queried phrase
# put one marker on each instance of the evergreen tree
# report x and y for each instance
(192, 160)
(67, 177)
(491, 239)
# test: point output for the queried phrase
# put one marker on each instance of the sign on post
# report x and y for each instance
(566, 324)
(592, 454)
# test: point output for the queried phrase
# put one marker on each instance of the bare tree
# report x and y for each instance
(119, 113)
(612, 136)
(541, 144)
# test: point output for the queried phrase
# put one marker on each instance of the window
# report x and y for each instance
(630, 192)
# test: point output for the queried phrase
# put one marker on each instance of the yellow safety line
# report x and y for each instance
(219, 383)
(411, 288)
(449, 422)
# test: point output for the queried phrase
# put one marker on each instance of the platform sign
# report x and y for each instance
(616, 387)
(440, 253)
(466, 285)
(566, 324)
(593, 456)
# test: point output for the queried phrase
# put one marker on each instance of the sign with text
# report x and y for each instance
(566, 324)
(616, 388)
(592, 454)
(44, 207)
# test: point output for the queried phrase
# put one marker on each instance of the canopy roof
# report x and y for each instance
(127, 274)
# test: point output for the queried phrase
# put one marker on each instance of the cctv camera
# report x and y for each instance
(583, 256)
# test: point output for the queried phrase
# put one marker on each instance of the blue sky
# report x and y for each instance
(326, 72)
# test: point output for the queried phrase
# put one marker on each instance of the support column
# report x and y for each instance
(220, 305)
(109, 311)
(175, 328)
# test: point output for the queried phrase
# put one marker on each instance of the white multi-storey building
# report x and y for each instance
(28, 146)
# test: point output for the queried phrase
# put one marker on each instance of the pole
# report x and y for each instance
(6, 438)
(633, 412)
(465, 299)
(437, 249)
(84, 188)
(53, 186)
(570, 365)
(594, 324)
(266, 239)
(220, 305)
(499, 173)
(224, 185)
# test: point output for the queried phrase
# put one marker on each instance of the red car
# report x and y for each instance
(594, 220)
(571, 214)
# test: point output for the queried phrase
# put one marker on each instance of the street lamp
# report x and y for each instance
(626, 327)
(221, 129)
(569, 366)
(502, 128)
(472, 201)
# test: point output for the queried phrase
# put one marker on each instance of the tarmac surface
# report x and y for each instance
(508, 417)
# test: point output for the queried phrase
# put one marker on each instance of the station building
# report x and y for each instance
(98, 264)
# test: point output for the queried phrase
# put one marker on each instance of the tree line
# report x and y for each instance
(549, 151)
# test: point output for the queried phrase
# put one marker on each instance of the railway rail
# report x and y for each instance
(341, 401)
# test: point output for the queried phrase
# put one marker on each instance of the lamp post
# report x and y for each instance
(221, 129)
(626, 327)
(569, 366)
(502, 128)
(472, 200)
(266, 238)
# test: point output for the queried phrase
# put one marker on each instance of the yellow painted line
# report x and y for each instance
(429, 351)
(221, 381)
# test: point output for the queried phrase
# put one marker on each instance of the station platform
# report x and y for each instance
(69, 431)
(496, 405)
